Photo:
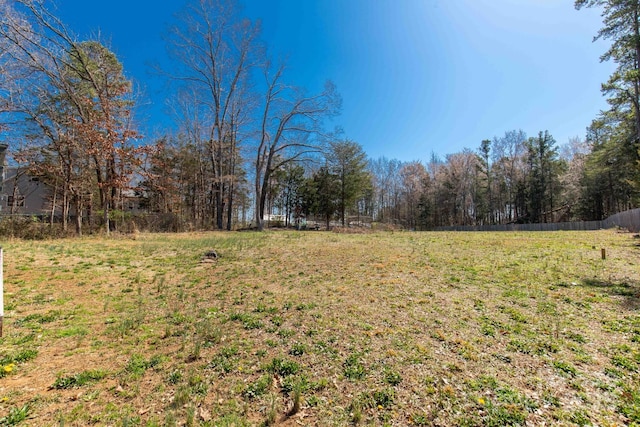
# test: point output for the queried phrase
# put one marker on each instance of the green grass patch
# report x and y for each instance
(78, 380)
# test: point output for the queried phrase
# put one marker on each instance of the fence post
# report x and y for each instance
(1, 291)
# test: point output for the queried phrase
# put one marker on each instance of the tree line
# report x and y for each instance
(250, 144)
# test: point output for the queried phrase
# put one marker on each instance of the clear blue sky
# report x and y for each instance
(416, 76)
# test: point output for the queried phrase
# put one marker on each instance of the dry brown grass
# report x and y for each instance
(351, 230)
(319, 328)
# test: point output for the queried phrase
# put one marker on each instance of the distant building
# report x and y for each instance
(3, 156)
(24, 194)
(21, 194)
(130, 201)
(274, 218)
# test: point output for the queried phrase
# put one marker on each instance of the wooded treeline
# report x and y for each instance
(250, 145)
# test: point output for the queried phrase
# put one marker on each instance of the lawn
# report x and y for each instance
(318, 328)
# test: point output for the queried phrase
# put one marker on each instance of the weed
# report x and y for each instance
(483, 382)
(231, 420)
(39, 318)
(224, 361)
(488, 330)
(565, 368)
(229, 351)
(73, 331)
(629, 404)
(181, 397)
(545, 347)
(272, 412)
(208, 332)
(297, 395)
(580, 339)
(612, 372)
(174, 377)
(78, 380)
(191, 416)
(515, 315)
(170, 419)
(504, 415)
(453, 367)
(137, 365)
(248, 321)
(178, 318)
(392, 377)
(624, 362)
(282, 367)
(16, 415)
(353, 367)
(286, 333)
(197, 385)
(319, 384)
(580, 417)
(292, 383)
(383, 397)
(355, 411)
(24, 339)
(520, 346)
(127, 326)
(297, 349)
(257, 388)
(511, 397)
(7, 363)
(277, 321)
(550, 399)
(195, 354)
(490, 326)
(419, 419)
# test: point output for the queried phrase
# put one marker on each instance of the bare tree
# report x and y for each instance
(385, 174)
(77, 108)
(575, 154)
(508, 164)
(415, 181)
(216, 50)
(289, 120)
(459, 180)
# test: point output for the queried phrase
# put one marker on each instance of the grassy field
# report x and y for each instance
(315, 328)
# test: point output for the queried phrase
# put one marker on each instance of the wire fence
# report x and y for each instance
(629, 220)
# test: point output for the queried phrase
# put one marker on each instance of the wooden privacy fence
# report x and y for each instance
(627, 219)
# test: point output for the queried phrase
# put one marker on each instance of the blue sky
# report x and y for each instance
(416, 76)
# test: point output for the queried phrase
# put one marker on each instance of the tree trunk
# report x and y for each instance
(78, 205)
(262, 190)
(636, 79)
(105, 211)
(53, 205)
(230, 207)
(65, 210)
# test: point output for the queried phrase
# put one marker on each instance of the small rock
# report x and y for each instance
(210, 256)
